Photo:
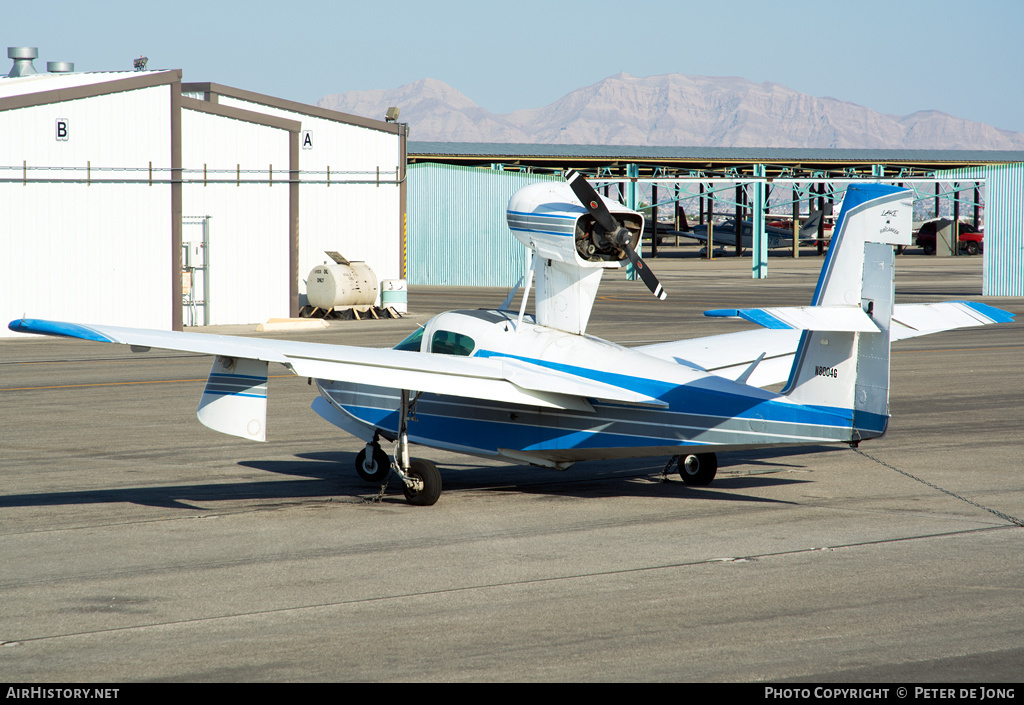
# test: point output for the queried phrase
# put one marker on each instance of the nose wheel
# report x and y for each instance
(421, 481)
(372, 463)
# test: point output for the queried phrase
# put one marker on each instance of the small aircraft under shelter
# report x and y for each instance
(536, 389)
(724, 234)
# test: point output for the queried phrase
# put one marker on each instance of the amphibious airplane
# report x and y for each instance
(537, 389)
(724, 235)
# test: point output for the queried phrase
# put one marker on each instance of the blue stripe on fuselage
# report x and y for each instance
(698, 415)
(698, 399)
(454, 422)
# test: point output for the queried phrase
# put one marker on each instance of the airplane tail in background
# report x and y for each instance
(843, 357)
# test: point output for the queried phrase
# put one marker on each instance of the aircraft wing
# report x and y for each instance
(763, 357)
(497, 379)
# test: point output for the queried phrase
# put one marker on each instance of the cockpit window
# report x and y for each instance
(412, 342)
(448, 343)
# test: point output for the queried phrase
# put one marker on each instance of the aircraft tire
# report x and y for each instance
(698, 470)
(378, 467)
(427, 472)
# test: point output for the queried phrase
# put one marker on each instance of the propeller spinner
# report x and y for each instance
(614, 233)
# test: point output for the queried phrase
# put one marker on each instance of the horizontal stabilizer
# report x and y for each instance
(819, 318)
(912, 320)
(732, 355)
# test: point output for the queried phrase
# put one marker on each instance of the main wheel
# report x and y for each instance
(427, 472)
(375, 467)
(972, 248)
(699, 469)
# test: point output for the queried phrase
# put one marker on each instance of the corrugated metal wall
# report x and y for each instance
(1004, 226)
(84, 235)
(457, 232)
(249, 248)
(86, 231)
(349, 199)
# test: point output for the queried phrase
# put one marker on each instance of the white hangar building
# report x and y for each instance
(131, 198)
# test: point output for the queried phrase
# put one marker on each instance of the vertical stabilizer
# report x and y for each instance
(850, 370)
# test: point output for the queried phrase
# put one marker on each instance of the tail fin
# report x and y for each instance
(846, 369)
(684, 225)
(809, 228)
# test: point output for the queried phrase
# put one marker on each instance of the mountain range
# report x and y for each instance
(674, 110)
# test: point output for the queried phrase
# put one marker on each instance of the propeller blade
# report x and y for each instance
(591, 201)
(615, 232)
(645, 273)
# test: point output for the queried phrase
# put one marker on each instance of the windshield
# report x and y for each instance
(412, 342)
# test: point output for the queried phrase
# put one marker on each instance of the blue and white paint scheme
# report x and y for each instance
(538, 389)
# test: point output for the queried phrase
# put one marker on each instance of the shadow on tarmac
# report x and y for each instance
(332, 474)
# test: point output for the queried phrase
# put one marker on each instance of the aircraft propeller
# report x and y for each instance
(614, 233)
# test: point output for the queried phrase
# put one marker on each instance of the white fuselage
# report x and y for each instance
(690, 408)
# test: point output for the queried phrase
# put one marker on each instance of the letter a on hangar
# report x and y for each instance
(306, 139)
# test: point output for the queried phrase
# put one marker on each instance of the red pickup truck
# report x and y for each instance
(969, 237)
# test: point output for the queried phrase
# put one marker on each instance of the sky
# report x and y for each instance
(893, 56)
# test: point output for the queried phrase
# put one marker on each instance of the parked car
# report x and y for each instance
(969, 237)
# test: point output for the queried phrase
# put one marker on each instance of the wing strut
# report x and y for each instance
(526, 291)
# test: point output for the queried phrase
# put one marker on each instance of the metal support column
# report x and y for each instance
(740, 193)
(632, 172)
(821, 223)
(709, 248)
(796, 222)
(759, 242)
(977, 208)
(654, 221)
(956, 218)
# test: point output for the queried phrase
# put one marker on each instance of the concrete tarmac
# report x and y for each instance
(137, 545)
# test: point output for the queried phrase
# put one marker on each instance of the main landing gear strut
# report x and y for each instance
(421, 480)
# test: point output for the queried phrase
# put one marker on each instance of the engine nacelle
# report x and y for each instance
(570, 249)
(550, 220)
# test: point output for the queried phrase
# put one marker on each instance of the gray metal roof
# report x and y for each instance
(709, 159)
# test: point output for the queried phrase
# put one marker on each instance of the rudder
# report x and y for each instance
(850, 370)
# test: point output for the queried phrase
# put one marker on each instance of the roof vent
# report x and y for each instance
(60, 67)
(22, 61)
